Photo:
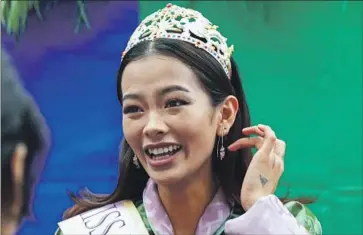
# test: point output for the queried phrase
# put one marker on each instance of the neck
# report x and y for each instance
(185, 202)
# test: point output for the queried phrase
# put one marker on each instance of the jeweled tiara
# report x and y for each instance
(184, 24)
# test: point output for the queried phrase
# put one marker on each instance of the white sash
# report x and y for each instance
(119, 218)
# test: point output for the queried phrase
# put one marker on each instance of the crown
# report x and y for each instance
(174, 22)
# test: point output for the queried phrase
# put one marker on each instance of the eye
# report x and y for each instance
(175, 103)
(132, 109)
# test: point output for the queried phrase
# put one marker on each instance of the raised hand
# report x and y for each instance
(266, 167)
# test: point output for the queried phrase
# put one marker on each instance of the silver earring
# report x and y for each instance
(222, 152)
(136, 162)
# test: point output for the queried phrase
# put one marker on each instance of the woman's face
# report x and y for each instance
(168, 119)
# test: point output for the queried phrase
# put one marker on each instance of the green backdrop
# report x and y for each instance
(302, 72)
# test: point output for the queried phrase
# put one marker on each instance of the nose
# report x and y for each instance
(155, 127)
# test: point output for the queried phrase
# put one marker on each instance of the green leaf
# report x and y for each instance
(4, 10)
(14, 14)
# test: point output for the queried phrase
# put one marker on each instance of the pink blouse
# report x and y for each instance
(267, 216)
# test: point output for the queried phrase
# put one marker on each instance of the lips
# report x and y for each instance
(162, 154)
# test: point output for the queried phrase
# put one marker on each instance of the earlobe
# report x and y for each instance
(222, 129)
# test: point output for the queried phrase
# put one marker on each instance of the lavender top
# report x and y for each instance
(267, 216)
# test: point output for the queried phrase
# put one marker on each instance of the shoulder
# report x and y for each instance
(305, 217)
(134, 208)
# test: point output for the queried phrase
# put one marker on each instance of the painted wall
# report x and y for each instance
(302, 71)
(73, 79)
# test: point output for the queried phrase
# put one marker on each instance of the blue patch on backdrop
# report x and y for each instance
(76, 91)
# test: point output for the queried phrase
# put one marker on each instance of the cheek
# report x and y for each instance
(198, 129)
(131, 133)
(125, 128)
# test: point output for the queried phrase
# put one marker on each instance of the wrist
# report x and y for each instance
(250, 201)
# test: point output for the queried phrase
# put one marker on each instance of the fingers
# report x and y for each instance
(247, 142)
(278, 166)
(253, 130)
(269, 140)
(280, 148)
(266, 141)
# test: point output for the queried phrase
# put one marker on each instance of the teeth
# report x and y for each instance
(162, 151)
(160, 157)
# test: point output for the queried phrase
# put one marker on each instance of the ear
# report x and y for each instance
(228, 113)
(18, 163)
(17, 172)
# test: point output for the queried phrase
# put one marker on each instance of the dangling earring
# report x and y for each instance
(136, 162)
(221, 152)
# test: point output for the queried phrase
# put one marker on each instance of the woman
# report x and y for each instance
(183, 107)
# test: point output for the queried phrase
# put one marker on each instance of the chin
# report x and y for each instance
(167, 179)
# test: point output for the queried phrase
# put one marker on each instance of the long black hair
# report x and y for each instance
(230, 172)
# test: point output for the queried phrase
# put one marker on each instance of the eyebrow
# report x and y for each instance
(162, 92)
(169, 89)
(131, 97)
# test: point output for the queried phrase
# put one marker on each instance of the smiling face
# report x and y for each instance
(168, 119)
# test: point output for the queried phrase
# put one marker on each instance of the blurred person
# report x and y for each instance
(23, 147)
